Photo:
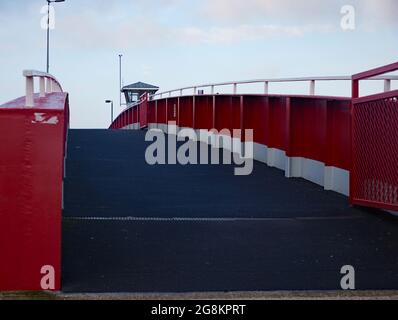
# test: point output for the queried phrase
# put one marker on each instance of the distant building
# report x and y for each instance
(134, 91)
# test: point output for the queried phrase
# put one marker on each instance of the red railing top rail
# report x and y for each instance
(376, 72)
(371, 74)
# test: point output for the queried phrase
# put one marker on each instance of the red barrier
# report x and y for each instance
(316, 128)
(374, 174)
(32, 148)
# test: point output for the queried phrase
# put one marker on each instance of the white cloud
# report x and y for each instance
(378, 13)
(88, 32)
(240, 33)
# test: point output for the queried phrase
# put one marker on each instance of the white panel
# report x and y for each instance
(294, 167)
(338, 180)
(162, 127)
(313, 171)
(277, 158)
(260, 152)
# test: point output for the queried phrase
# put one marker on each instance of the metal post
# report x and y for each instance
(355, 89)
(48, 36)
(112, 112)
(42, 87)
(30, 92)
(312, 87)
(120, 78)
(49, 86)
(48, 31)
(266, 87)
(387, 85)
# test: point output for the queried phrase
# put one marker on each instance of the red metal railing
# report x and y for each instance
(317, 128)
(374, 172)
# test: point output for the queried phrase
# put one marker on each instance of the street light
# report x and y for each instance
(111, 102)
(48, 31)
(120, 78)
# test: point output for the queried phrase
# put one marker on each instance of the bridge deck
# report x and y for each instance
(131, 227)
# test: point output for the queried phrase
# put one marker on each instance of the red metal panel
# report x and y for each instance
(144, 111)
(374, 180)
(152, 112)
(339, 134)
(278, 130)
(130, 116)
(255, 116)
(308, 125)
(135, 115)
(172, 110)
(374, 174)
(223, 112)
(162, 117)
(236, 114)
(185, 118)
(204, 112)
(32, 146)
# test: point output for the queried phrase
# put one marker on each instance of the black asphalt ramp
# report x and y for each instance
(132, 227)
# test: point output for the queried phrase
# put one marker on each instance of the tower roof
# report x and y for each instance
(140, 86)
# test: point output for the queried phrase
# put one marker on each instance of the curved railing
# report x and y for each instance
(307, 136)
(311, 80)
(51, 86)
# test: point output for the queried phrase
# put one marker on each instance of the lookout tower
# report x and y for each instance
(134, 91)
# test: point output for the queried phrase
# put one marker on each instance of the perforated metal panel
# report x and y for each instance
(374, 180)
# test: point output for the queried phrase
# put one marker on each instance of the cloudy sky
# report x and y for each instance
(176, 43)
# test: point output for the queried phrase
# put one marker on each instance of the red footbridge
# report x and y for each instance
(83, 211)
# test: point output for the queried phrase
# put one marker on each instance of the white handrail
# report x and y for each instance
(312, 80)
(52, 85)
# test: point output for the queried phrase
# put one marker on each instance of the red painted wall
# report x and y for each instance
(31, 174)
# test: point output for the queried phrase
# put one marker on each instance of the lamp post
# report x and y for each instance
(111, 102)
(48, 31)
(120, 78)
